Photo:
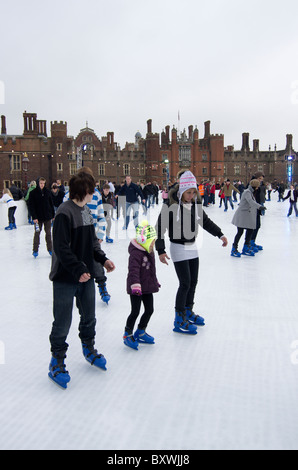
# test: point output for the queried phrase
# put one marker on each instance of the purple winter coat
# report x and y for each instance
(141, 269)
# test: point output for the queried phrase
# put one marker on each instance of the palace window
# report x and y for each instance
(184, 153)
(142, 169)
(237, 170)
(101, 169)
(72, 168)
(16, 162)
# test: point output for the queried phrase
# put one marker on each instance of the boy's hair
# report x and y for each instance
(80, 185)
(106, 186)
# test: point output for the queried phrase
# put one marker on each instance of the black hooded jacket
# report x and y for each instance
(41, 204)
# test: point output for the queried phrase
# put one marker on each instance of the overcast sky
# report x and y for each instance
(118, 63)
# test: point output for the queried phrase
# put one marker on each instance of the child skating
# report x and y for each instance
(141, 284)
(8, 199)
(181, 219)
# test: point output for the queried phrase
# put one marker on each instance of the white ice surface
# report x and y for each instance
(232, 386)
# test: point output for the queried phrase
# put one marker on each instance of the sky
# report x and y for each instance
(115, 64)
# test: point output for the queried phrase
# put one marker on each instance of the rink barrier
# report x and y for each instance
(21, 214)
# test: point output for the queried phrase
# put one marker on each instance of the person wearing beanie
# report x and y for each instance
(142, 283)
(181, 219)
(245, 218)
(260, 197)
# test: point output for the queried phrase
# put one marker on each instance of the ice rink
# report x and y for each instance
(232, 386)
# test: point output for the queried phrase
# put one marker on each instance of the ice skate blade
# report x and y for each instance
(102, 366)
(60, 385)
(185, 332)
(145, 342)
(135, 347)
(196, 324)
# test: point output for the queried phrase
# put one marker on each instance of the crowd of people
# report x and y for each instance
(76, 221)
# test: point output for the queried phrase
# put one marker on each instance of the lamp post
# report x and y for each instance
(25, 167)
(290, 159)
(167, 171)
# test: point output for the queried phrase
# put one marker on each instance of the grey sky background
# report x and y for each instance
(118, 63)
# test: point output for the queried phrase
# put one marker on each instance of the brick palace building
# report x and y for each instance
(154, 157)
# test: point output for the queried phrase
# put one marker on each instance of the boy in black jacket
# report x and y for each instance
(75, 247)
(41, 208)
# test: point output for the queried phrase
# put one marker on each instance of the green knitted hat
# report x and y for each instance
(145, 234)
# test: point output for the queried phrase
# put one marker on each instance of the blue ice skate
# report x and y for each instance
(142, 337)
(58, 373)
(193, 318)
(235, 253)
(181, 325)
(91, 355)
(255, 247)
(130, 341)
(247, 251)
(105, 296)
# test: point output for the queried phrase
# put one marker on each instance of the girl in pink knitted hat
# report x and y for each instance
(181, 218)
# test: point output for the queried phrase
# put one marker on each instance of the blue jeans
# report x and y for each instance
(63, 296)
(228, 198)
(135, 208)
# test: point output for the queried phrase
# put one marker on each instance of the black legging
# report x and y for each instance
(248, 234)
(136, 301)
(11, 211)
(187, 272)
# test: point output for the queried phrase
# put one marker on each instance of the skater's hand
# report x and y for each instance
(224, 241)
(163, 258)
(109, 265)
(136, 291)
(85, 277)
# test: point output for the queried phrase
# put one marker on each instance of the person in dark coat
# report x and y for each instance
(132, 192)
(42, 211)
(260, 196)
(57, 196)
(293, 197)
(245, 218)
(16, 192)
(141, 284)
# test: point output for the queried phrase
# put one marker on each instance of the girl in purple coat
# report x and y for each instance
(141, 284)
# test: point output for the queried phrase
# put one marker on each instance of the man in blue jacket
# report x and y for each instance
(131, 191)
